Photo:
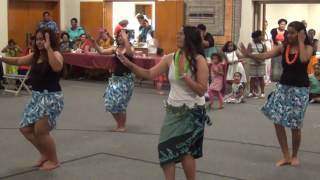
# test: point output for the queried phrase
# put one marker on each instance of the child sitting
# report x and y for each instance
(216, 73)
(237, 94)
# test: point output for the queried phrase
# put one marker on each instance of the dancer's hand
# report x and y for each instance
(47, 42)
(124, 35)
(244, 51)
(301, 36)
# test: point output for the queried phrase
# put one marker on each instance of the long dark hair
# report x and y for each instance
(192, 46)
(298, 26)
(226, 49)
(37, 52)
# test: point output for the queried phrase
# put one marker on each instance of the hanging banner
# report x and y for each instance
(207, 12)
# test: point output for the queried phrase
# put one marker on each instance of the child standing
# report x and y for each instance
(216, 73)
(237, 95)
(234, 64)
(257, 69)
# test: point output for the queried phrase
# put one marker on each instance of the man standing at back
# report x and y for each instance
(47, 23)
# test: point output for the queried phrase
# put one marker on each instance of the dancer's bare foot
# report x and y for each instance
(41, 161)
(221, 107)
(49, 166)
(283, 162)
(119, 130)
(295, 161)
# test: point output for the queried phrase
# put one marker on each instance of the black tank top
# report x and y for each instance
(121, 69)
(44, 78)
(294, 74)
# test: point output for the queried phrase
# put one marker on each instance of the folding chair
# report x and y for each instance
(22, 79)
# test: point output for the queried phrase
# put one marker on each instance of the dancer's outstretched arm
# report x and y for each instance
(275, 51)
(150, 74)
(24, 60)
(95, 45)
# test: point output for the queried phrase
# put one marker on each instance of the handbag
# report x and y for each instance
(276, 69)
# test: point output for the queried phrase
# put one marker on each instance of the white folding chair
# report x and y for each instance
(21, 78)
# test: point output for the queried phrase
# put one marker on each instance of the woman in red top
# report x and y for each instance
(279, 34)
(122, 24)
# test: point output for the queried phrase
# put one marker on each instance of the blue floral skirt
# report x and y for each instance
(118, 93)
(43, 104)
(286, 106)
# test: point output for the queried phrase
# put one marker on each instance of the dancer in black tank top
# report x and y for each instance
(287, 104)
(120, 86)
(46, 104)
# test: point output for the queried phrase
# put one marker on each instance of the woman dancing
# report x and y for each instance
(286, 106)
(182, 131)
(41, 114)
(120, 86)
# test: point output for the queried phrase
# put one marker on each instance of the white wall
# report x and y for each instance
(68, 10)
(313, 20)
(3, 23)
(288, 11)
(246, 21)
(126, 10)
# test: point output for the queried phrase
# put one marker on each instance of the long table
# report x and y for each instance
(106, 62)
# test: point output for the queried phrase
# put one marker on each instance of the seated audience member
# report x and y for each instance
(84, 44)
(315, 85)
(65, 44)
(75, 31)
(105, 39)
(11, 50)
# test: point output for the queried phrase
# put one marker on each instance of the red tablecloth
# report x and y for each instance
(96, 61)
(106, 62)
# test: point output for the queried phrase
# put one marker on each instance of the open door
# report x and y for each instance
(169, 20)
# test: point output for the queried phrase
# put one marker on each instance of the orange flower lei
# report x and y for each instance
(288, 61)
